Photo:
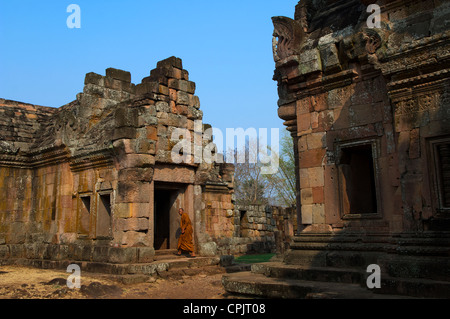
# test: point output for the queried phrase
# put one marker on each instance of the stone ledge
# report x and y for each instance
(250, 284)
(150, 268)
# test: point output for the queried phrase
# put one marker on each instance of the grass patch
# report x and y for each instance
(253, 259)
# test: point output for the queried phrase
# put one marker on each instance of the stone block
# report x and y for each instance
(146, 254)
(330, 58)
(100, 253)
(182, 85)
(311, 62)
(304, 122)
(94, 78)
(316, 176)
(147, 118)
(183, 98)
(137, 160)
(170, 62)
(132, 210)
(194, 114)
(125, 117)
(162, 106)
(135, 239)
(304, 106)
(113, 84)
(123, 255)
(124, 133)
(318, 214)
(185, 75)
(128, 88)
(159, 75)
(306, 196)
(208, 249)
(302, 143)
(163, 90)
(147, 88)
(195, 102)
(4, 252)
(132, 224)
(117, 74)
(307, 214)
(80, 252)
(318, 195)
(319, 102)
(173, 95)
(145, 146)
(316, 140)
(312, 158)
(133, 192)
(136, 174)
(182, 109)
(176, 120)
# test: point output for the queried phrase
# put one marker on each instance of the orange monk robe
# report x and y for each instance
(185, 241)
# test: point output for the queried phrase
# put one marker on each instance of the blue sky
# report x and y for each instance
(225, 46)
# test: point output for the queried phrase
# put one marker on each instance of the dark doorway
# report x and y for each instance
(358, 180)
(164, 205)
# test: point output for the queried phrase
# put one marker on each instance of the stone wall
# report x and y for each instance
(351, 94)
(258, 229)
(368, 109)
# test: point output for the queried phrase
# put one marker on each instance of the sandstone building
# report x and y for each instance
(369, 111)
(94, 179)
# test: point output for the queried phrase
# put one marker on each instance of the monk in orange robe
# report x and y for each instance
(185, 242)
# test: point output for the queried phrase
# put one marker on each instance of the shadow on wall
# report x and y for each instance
(387, 182)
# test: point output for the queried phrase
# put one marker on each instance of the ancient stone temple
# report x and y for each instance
(368, 106)
(95, 180)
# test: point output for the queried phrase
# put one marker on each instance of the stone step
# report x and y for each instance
(415, 287)
(168, 257)
(165, 252)
(260, 286)
(323, 274)
(238, 267)
(158, 267)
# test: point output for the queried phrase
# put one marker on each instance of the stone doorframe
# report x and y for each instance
(180, 179)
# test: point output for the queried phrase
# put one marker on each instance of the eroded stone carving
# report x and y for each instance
(373, 41)
(288, 37)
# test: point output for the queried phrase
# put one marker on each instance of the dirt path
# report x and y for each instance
(30, 283)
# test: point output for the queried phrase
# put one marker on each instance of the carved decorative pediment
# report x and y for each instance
(288, 37)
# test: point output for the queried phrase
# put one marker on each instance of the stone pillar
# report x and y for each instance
(136, 160)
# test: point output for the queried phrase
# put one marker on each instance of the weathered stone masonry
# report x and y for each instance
(258, 229)
(94, 180)
(368, 109)
(370, 116)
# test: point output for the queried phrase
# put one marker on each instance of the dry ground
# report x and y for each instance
(30, 283)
